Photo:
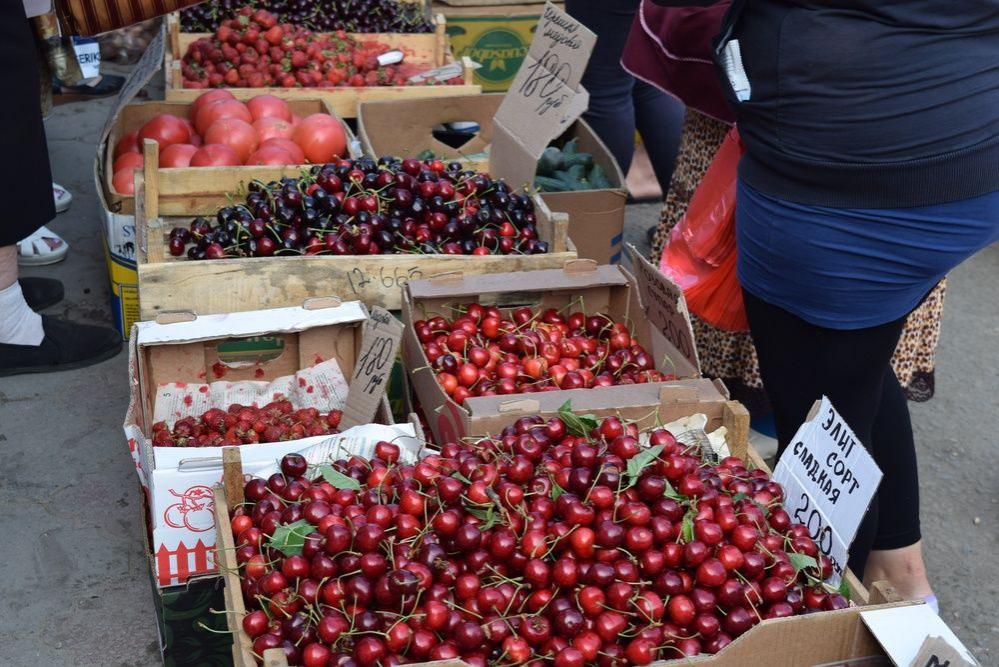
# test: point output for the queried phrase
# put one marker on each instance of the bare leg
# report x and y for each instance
(903, 567)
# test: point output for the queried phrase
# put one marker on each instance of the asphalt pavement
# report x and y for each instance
(75, 585)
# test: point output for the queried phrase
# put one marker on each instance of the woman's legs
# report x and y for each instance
(612, 112)
(800, 362)
(898, 551)
(659, 119)
(618, 103)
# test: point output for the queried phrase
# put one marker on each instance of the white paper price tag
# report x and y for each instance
(829, 480)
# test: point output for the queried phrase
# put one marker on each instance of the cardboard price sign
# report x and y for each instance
(545, 97)
(664, 306)
(936, 652)
(915, 636)
(379, 347)
(829, 479)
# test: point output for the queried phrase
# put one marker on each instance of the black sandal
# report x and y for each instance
(66, 346)
(109, 84)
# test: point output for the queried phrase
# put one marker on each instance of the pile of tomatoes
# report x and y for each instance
(484, 352)
(221, 131)
(561, 542)
(253, 50)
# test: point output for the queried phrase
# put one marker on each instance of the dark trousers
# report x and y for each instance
(26, 172)
(800, 362)
(618, 103)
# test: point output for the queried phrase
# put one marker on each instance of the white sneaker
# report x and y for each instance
(62, 198)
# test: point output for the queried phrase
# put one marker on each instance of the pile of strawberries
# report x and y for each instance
(253, 50)
(483, 352)
(562, 542)
(246, 425)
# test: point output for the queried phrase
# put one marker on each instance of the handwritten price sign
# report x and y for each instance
(545, 96)
(829, 479)
(379, 347)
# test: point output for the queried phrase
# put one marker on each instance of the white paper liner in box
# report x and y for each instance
(251, 323)
(322, 386)
(358, 441)
(690, 430)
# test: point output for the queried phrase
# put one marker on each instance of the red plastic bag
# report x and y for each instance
(700, 252)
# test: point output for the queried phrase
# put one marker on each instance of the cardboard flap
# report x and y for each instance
(148, 65)
(407, 125)
(544, 98)
(379, 347)
(903, 631)
(250, 323)
(665, 308)
(544, 280)
(625, 395)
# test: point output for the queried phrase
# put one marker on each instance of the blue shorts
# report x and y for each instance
(843, 268)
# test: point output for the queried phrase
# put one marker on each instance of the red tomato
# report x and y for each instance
(190, 128)
(127, 144)
(177, 155)
(321, 137)
(196, 140)
(234, 133)
(124, 160)
(289, 146)
(215, 155)
(123, 181)
(204, 99)
(295, 120)
(272, 155)
(214, 111)
(272, 128)
(165, 129)
(268, 106)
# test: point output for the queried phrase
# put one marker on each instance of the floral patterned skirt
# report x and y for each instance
(731, 355)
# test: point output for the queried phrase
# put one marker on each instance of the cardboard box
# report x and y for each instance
(183, 611)
(496, 35)
(652, 303)
(407, 127)
(179, 479)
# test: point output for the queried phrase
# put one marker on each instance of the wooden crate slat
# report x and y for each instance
(427, 49)
(241, 284)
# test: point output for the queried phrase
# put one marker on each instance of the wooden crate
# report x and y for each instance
(134, 116)
(230, 493)
(428, 50)
(252, 283)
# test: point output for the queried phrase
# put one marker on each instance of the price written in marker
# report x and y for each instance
(393, 278)
(544, 98)
(829, 480)
(379, 347)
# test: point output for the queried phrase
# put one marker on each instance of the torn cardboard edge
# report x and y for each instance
(293, 319)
